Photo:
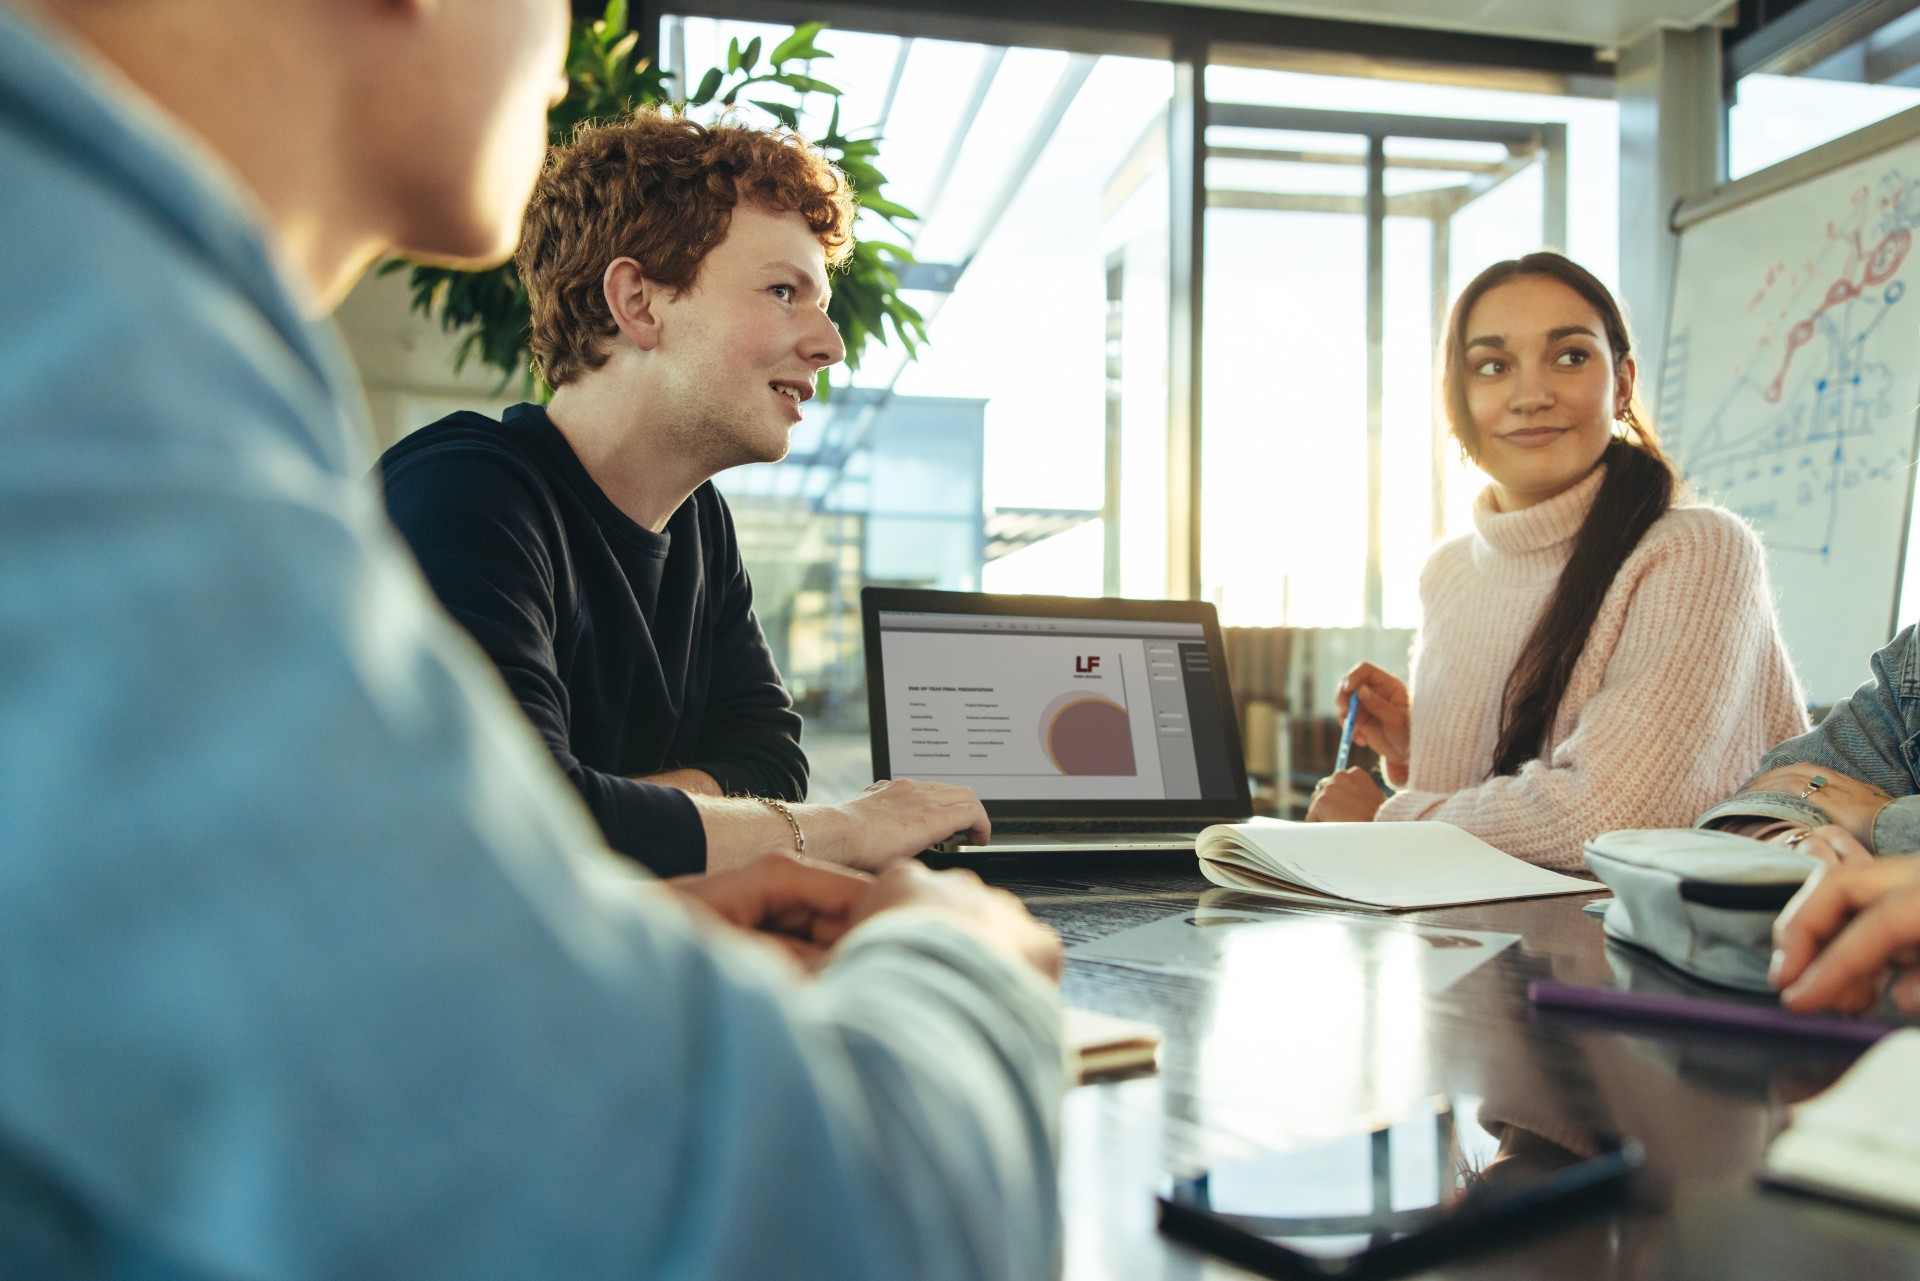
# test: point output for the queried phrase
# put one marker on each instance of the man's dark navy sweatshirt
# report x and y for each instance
(632, 652)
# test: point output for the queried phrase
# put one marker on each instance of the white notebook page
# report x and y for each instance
(1393, 864)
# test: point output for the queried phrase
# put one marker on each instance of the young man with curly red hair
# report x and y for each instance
(678, 276)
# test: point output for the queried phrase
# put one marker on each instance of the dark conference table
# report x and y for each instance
(1335, 1019)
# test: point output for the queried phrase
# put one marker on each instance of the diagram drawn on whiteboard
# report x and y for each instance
(1784, 408)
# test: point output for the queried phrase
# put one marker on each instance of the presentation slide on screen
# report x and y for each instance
(1024, 717)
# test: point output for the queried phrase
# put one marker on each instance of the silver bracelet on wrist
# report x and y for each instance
(786, 811)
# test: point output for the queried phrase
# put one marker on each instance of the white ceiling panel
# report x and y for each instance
(1602, 23)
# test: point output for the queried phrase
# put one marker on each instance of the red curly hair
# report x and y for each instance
(660, 189)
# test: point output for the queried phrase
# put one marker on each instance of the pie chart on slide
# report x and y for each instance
(1087, 735)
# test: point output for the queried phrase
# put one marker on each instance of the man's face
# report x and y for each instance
(738, 351)
(456, 129)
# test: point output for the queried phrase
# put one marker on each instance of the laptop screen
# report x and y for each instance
(1055, 707)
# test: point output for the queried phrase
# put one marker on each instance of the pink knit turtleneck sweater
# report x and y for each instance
(1683, 684)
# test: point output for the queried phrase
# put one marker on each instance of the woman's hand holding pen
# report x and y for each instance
(1350, 796)
(1385, 720)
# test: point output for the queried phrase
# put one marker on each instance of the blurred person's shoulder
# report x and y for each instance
(141, 291)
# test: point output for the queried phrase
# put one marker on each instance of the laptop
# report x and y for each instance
(1082, 724)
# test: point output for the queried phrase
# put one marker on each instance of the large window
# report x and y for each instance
(1304, 524)
(1775, 118)
(1801, 84)
(1026, 447)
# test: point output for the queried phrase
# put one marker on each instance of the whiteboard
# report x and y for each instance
(1788, 394)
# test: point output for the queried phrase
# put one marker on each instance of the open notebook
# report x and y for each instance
(1860, 1140)
(1394, 866)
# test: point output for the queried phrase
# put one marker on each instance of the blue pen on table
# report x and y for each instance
(1346, 733)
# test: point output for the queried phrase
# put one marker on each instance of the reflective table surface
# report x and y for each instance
(1285, 1028)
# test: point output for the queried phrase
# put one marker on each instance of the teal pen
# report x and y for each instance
(1346, 734)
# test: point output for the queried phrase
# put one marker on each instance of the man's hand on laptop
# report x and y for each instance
(994, 916)
(893, 820)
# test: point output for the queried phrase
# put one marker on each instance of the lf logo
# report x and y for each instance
(1086, 664)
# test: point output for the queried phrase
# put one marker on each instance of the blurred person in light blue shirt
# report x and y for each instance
(310, 963)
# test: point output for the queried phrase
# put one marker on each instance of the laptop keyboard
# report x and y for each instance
(1055, 827)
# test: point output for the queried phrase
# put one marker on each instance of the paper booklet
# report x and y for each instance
(1860, 1140)
(1102, 1045)
(1391, 866)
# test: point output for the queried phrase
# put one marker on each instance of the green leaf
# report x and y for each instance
(799, 44)
(488, 312)
(785, 114)
(733, 55)
(884, 207)
(862, 175)
(806, 84)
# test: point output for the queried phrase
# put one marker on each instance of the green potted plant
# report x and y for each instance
(608, 79)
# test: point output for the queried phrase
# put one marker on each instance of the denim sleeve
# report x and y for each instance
(1869, 736)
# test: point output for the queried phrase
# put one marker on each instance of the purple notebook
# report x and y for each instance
(1699, 1011)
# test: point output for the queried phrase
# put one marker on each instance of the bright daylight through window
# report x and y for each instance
(1024, 448)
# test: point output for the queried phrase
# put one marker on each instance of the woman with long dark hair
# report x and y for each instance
(1595, 654)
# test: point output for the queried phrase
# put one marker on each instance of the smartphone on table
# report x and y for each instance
(1396, 1195)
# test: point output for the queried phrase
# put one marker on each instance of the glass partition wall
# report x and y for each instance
(1044, 439)
(1330, 260)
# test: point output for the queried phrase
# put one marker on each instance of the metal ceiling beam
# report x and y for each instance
(1186, 313)
(1238, 115)
(893, 86)
(1374, 588)
(1150, 28)
(982, 86)
(1354, 159)
(1072, 80)
(837, 447)
(1808, 34)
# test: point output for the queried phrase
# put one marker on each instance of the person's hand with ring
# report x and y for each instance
(1832, 845)
(1847, 802)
